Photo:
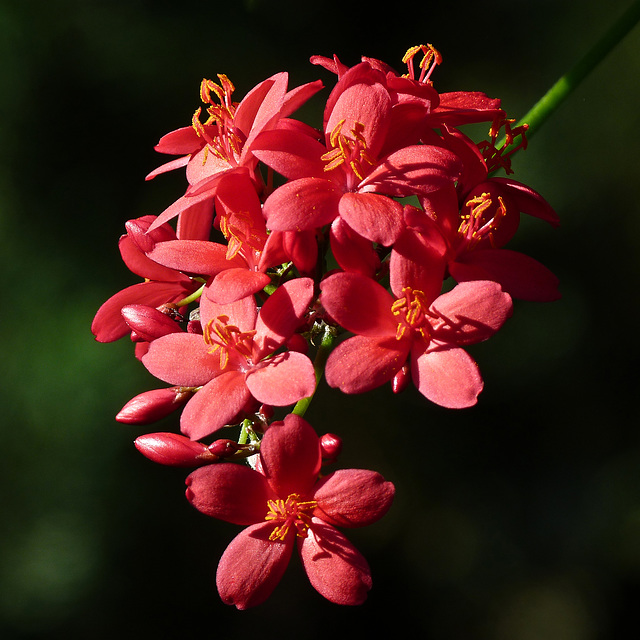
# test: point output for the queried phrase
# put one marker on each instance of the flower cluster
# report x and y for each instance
(377, 241)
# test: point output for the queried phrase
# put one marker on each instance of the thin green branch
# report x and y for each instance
(551, 100)
(325, 348)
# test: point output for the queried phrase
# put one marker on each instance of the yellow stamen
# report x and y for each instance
(290, 512)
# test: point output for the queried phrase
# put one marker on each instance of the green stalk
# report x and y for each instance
(551, 100)
(325, 348)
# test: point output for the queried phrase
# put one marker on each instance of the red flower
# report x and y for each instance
(416, 324)
(224, 143)
(346, 176)
(235, 359)
(285, 505)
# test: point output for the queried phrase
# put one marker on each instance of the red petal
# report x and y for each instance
(518, 274)
(527, 200)
(290, 153)
(109, 325)
(373, 216)
(351, 251)
(361, 363)
(282, 314)
(474, 311)
(233, 284)
(291, 456)
(215, 405)
(230, 492)
(335, 568)
(447, 376)
(415, 169)
(252, 565)
(282, 380)
(353, 497)
(302, 204)
(193, 256)
(182, 359)
(359, 304)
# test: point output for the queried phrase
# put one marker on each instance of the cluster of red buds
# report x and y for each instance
(370, 250)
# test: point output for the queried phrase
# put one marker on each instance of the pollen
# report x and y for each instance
(241, 234)
(226, 339)
(412, 312)
(292, 512)
(225, 142)
(349, 150)
(431, 58)
(478, 224)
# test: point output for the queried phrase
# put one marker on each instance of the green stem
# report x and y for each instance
(191, 298)
(325, 348)
(551, 100)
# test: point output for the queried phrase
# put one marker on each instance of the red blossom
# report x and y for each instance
(346, 175)
(237, 358)
(417, 325)
(285, 506)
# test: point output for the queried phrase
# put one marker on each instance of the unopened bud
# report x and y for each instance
(297, 343)
(174, 450)
(223, 448)
(148, 323)
(137, 230)
(401, 380)
(330, 446)
(153, 405)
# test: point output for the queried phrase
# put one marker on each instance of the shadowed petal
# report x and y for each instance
(373, 216)
(448, 376)
(283, 379)
(252, 565)
(362, 363)
(335, 568)
(282, 314)
(359, 304)
(474, 311)
(518, 274)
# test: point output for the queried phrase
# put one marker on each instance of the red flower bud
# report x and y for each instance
(330, 446)
(151, 406)
(174, 450)
(137, 231)
(223, 448)
(297, 343)
(147, 323)
(401, 380)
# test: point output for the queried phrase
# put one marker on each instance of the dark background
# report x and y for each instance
(518, 519)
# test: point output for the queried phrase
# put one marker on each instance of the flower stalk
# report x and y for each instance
(562, 88)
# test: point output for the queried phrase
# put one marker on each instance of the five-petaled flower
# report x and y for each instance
(283, 504)
(235, 358)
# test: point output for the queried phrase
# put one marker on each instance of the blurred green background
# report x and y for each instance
(516, 520)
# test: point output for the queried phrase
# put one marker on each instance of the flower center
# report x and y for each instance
(227, 142)
(290, 512)
(412, 311)
(241, 234)
(348, 151)
(227, 339)
(478, 224)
